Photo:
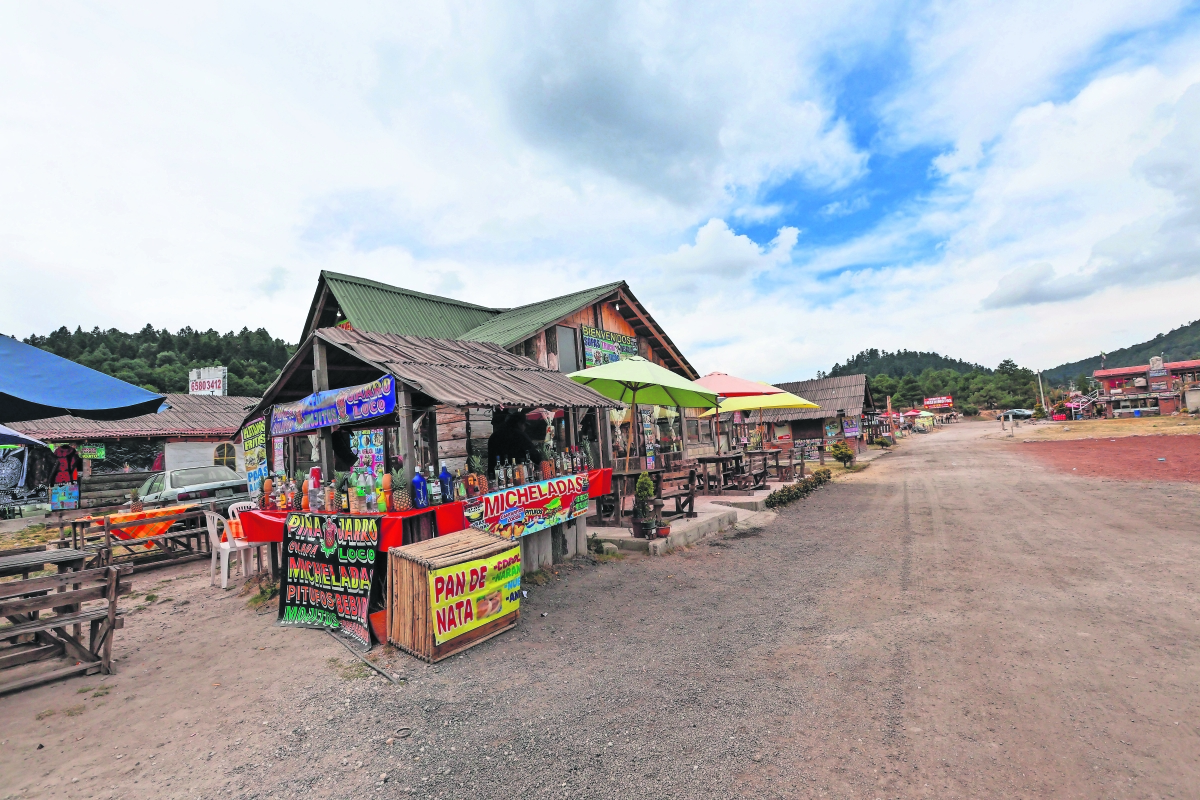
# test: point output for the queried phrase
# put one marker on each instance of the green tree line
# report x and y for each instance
(159, 360)
(899, 363)
(1008, 386)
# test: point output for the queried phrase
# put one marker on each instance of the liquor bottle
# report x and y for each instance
(519, 472)
(559, 464)
(460, 486)
(447, 481)
(508, 473)
(531, 475)
(498, 475)
(420, 490)
(435, 488)
(578, 462)
(330, 499)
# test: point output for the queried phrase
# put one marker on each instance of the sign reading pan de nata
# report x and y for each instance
(466, 596)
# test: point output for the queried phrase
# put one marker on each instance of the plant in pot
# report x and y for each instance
(643, 511)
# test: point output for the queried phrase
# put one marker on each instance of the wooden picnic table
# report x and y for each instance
(729, 467)
(765, 454)
(624, 484)
(25, 563)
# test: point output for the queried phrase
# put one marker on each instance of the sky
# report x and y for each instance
(781, 184)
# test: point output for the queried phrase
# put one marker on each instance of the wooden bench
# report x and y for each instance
(682, 489)
(31, 637)
(755, 476)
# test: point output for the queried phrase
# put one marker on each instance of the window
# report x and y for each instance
(195, 476)
(225, 456)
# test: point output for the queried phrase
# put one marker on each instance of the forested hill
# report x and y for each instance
(900, 363)
(159, 360)
(1181, 344)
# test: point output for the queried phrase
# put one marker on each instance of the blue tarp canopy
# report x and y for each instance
(11, 437)
(35, 384)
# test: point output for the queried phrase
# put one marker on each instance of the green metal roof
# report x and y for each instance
(380, 308)
(518, 324)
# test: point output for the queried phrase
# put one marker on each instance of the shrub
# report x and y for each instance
(795, 491)
(885, 442)
(841, 452)
(969, 410)
(1039, 412)
(643, 493)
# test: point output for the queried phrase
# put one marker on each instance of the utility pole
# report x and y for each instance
(1042, 392)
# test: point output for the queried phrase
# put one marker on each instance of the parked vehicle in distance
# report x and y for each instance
(205, 484)
(1017, 413)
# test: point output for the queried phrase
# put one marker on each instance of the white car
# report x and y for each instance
(219, 484)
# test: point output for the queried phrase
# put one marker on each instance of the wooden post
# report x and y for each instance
(407, 449)
(320, 382)
(106, 658)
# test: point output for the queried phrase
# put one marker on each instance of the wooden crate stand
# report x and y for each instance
(410, 619)
(21, 603)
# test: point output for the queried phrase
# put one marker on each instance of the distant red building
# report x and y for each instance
(1154, 388)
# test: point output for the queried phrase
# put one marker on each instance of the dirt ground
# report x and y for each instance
(1042, 431)
(1132, 458)
(957, 621)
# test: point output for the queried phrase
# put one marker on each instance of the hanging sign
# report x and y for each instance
(326, 581)
(605, 347)
(939, 402)
(335, 407)
(850, 427)
(91, 452)
(522, 510)
(254, 445)
(831, 430)
(368, 446)
(64, 496)
(468, 595)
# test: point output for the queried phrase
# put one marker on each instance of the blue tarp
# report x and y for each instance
(35, 384)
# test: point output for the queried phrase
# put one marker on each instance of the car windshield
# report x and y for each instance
(145, 490)
(198, 475)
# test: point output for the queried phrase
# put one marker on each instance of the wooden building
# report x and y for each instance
(846, 412)
(566, 334)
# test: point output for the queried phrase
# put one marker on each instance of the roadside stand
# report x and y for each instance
(357, 482)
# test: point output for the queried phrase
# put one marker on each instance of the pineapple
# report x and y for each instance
(339, 487)
(481, 480)
(401, 499)
(135, 502)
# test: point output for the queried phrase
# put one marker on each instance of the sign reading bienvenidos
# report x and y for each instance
(605, 347)
(327, 576)
(467, 596)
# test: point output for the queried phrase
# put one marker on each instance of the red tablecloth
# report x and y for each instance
(267, 526)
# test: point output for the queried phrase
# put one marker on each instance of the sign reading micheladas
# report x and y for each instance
(469, 595)
(521, 510)
(329, 562)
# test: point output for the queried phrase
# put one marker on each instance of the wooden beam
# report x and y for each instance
(679, 360)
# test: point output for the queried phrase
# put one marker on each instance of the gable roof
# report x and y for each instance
(850, 393)
(518, 324)
(189, 415)
(456, 373)
(373, 306)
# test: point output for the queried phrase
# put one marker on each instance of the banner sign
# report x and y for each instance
(64, 496)
(326, 581)
(368, 446)
(850, 427)
(809, 449)
(1158, 373)
(939, 402)
(209, 380)
(254, 445)
(522, 510)
(468, 595)
(831, 430)
(335, 407)
(91, 452)
(1158, 386)
(605, 347)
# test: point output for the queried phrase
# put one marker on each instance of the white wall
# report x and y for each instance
(181, 455)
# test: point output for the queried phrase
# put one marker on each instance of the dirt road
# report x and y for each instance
(955, 622)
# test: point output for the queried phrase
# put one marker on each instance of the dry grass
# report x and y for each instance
(1099, 429)
(350, 669)
(33, 534)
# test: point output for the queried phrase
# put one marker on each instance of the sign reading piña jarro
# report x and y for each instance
(329, 561)
(522, 510)
(468, 595)
(335, 407)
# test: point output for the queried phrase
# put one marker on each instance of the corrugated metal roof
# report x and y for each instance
(1173, 365)
(846, 392)
(449, 371)
(518, 324)
(189, 415)
(378, 307)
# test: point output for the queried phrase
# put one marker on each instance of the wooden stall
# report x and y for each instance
(452, 592)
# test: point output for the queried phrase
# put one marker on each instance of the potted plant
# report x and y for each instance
(643, 515)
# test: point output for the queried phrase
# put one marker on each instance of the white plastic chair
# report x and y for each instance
(222, 549)
(246, 548)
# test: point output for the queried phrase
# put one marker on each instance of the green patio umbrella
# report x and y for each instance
(633, 380)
